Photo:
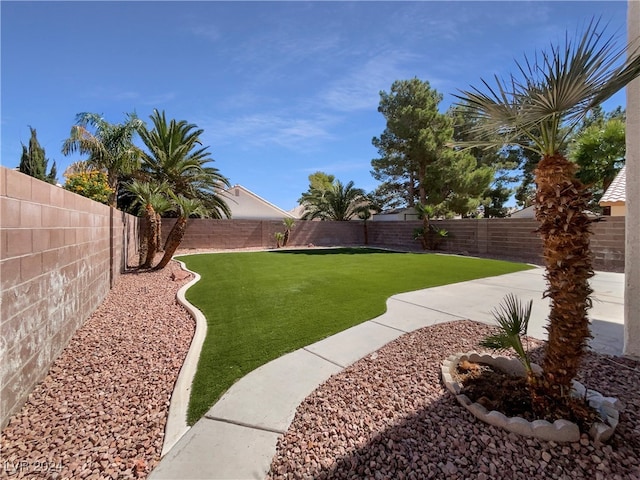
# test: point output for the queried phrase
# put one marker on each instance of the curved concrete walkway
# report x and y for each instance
(237, 437)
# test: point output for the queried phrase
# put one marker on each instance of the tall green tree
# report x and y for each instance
(340, 202)
(321, 181)
(33, 161)
(109, 146)
(416, 160)
(593, 157)
(599, 152)
(174, 155)
(544, 104)
(497, 193)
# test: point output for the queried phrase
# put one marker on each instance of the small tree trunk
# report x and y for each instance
(152, 245)
(425, 232)
(159, 232)
(366, 233)
(173, 241)
(564, 227)
(144, 233)
(112, 180)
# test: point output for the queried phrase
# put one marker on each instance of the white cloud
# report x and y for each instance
(360, 88)
(210, 32)
(159, 99)
(339, 167)
(264, 129)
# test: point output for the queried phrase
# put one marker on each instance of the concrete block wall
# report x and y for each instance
(233, 234)
(608, 244)
(507, 238)
(60, 253)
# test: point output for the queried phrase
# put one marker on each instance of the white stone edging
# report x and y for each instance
(558, 431)
(176, 425)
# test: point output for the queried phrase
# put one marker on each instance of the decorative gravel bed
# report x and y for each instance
(388, 416)
(101, 410)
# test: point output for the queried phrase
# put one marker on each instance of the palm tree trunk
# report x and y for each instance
(159, 232)
(112, 180)
(152, 237)
(144, 241)
(561, 201)
(173, 241)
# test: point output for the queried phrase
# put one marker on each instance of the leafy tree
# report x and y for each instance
(319, 184)
(416, 162)
(502, 163)
(599, 151)
(388, 196)
(187, 207)
(33, 161)
(321, 181)
(109, 146)
(494, 199)
(555, 92)
(528, 159)
(175, 156)
(340, 202)
(92, 184)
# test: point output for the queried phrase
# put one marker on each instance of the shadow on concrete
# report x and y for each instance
(444, 441)
(608, 337)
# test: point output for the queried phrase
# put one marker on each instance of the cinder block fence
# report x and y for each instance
(501, 238)
(60, 255)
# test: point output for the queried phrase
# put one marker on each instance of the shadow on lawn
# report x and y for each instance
(335, 251)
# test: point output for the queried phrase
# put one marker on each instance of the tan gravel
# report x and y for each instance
(100, 413)
(388, 416)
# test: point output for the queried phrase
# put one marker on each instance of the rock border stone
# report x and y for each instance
(560, 431)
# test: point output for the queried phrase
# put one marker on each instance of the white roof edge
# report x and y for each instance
(259, 198)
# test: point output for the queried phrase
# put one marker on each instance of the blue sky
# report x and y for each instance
(281, 89)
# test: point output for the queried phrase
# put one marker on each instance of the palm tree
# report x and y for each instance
(555, 92)
(110, 146)
(176, 157)
(339, 202)
(365, 215)
(187, 207)
(152, 201)
(288, 223)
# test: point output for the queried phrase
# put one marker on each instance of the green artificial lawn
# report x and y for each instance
(261, 305)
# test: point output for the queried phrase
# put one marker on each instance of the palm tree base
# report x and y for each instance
(495, 390)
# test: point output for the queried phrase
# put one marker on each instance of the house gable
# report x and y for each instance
(245, 205)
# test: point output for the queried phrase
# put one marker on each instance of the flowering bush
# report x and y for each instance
(92, 184)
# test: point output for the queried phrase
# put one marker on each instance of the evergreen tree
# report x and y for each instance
(498, 159)
(34, 162)
(417, 163)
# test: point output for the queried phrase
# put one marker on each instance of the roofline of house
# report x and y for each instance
(260, 199)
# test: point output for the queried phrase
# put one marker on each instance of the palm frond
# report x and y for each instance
(552, 92)
(512, 318)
